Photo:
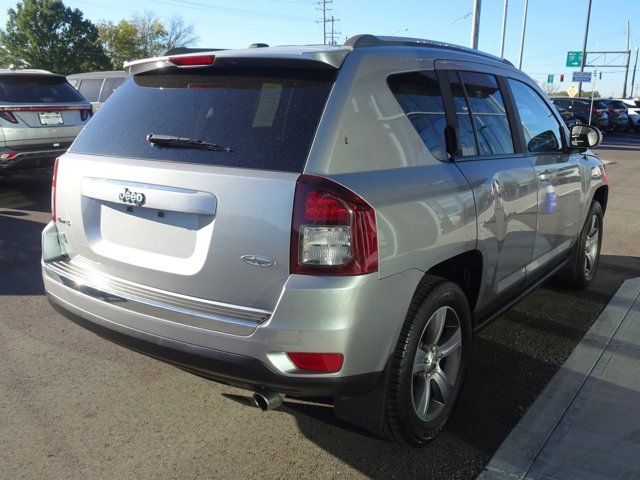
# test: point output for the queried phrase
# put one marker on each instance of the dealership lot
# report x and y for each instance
(75, 406)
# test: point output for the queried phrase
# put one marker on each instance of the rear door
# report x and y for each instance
(502, 180)
(558, 175)
(183, 219)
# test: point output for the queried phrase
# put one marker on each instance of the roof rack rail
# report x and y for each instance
(368, 40)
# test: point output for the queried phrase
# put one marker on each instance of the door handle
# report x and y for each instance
(545, 176)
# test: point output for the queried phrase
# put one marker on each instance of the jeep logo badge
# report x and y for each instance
(132, 197)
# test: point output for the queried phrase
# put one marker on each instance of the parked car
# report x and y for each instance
(40, 115)
(582, 110)
(618, 118)
(567, 116)
(322, 221)
(97, 86)
(633, 111)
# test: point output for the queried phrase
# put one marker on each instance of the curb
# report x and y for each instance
(517, 454)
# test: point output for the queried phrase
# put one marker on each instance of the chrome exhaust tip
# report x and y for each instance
(267, 399)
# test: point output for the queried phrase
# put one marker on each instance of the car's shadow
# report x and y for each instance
(513, 360)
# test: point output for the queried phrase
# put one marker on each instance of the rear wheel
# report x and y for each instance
(429, 362)
(586, 252)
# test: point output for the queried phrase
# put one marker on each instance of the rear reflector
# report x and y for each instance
(8, 156)
(54, 182)
(317, 362)
(193, 61)
(85, 114)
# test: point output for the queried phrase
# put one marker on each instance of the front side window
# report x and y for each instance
(539, 125)
(489, 113)
(418, 93)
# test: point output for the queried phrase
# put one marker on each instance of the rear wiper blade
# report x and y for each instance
(184, 142)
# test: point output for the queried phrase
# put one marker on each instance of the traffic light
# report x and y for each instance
(562, 77)
(600, 76)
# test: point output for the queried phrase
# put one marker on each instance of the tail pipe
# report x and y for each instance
(267, 399)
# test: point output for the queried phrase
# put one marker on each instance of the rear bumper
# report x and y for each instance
(26, 157)
(233, 369)
(360, 317)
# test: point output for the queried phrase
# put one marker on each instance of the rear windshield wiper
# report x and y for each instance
(184, 142)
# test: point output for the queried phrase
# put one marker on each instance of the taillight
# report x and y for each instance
(85, 114)
(54, 182)
(8, 116)
(317, 362)
(193, 61)
(333, 230)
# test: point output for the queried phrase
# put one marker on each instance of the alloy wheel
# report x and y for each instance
(436, 364)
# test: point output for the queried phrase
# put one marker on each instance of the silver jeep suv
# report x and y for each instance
(40, 115)
(322, 221)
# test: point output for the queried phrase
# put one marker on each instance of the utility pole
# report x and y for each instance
(324, 6)
(633, 77)
(524, 30)
(334, 34)
(626, 70)
(504, 28)
(584, 45)
(475, 24)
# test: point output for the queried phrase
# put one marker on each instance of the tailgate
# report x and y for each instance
(179, 228)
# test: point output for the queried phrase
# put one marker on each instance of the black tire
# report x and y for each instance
(403, 423)
(581, 269)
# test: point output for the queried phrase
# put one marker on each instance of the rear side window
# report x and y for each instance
(418, 93)
(110, 85)
(267, 117)
(20, 88)
(90, 88)
(539, 125)
(489, 113)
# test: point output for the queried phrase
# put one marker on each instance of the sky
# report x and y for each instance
(553, 26)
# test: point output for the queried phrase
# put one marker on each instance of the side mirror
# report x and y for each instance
(585, 136)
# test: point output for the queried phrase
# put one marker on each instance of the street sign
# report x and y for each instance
(550, 78)
(584, 77)
(572, 91)
(574, 59)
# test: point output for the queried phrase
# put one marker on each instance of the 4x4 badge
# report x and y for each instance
(258, 260)
(132, 197)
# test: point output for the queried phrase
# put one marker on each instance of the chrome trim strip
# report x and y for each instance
(83, 276)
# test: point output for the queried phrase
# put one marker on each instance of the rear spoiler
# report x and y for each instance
(321, 57)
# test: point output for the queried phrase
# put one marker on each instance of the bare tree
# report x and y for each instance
(179, 34)
(550, 88)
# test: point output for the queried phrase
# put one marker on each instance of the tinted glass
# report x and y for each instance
(267, 117)
(539, 125)
(561, 102)
(489, 113)
(90, 88)
(467, 141)
(418, 93)
(36, 89)
(110, 85)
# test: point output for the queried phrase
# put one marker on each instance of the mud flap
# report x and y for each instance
(368, 410)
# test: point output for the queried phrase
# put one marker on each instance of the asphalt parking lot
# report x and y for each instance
(73, 406)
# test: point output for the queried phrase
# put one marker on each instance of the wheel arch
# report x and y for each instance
(464, 269)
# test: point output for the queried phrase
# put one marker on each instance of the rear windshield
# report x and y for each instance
(37, 89)
(267, 117)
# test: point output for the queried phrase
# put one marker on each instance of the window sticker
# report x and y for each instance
(267, 105)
